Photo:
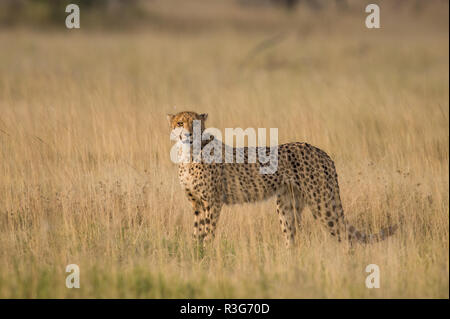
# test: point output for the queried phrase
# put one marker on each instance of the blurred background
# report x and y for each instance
(86, 176)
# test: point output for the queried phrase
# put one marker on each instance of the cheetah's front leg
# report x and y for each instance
(199, 228)
(212, 213)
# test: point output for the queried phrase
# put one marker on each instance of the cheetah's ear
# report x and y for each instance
(170, 118)
(203, 116)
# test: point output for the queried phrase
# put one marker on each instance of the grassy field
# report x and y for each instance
(86, 177)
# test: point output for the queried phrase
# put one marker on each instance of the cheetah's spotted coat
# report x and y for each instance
(306, 176)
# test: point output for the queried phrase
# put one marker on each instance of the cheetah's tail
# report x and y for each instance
(357, 236)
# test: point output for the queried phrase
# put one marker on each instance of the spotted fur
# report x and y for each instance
(306, 176)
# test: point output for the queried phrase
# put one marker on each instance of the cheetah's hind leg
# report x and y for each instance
(299, 204)
(285, 211)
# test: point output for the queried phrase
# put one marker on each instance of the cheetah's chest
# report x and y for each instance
(196, 177)
(187, 179)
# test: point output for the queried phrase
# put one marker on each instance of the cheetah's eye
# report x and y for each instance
(180, 124)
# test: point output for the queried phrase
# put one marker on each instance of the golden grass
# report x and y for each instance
(86, 176)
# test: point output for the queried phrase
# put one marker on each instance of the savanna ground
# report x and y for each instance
(86, 176)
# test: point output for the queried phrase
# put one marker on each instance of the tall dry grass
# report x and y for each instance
(86, 176)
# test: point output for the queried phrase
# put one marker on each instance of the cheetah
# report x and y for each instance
(305, 177)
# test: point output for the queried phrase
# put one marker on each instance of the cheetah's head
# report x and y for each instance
(182, 125)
